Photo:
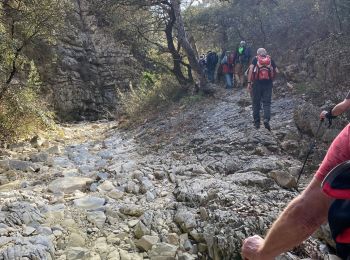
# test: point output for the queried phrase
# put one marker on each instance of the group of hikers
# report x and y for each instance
(231, 65)
(238, 68)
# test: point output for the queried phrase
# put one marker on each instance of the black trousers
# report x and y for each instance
(261, 95)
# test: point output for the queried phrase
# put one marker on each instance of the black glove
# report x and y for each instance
(330, 117)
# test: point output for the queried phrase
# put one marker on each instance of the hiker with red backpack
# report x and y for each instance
(227, 63)
(328, 194)
(261, 73)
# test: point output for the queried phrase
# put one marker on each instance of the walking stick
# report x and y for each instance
(312, 146)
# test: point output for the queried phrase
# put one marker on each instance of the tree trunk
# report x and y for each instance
(174, 53)
(186, 45)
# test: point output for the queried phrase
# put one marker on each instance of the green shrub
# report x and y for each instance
(154, 92)
(22, 113)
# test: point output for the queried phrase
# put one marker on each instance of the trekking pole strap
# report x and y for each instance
(312, 146)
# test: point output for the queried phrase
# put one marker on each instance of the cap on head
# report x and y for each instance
(242, 43)
(261, 52)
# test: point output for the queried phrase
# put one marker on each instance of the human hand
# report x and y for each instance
(323, 114)
(251, 248)
(249, 87)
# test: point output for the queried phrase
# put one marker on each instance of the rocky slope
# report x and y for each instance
(91, 66)
(190, 184)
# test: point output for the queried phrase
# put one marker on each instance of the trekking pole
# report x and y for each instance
(312, 146)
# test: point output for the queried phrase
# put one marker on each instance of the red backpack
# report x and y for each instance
(263, 70)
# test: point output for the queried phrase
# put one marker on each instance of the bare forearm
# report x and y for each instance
(297, 222)
(341, 107)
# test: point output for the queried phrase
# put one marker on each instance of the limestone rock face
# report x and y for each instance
(91, 66)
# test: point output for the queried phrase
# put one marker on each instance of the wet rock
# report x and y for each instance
(69, 184)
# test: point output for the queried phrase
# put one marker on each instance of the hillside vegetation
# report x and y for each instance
(308, 39)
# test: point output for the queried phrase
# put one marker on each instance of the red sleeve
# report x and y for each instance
(337, 153)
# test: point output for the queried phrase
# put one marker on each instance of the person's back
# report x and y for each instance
(212, 60)
(261, 74)
(227, 68)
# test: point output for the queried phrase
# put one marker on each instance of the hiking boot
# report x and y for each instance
(267, 126)
(257, 125)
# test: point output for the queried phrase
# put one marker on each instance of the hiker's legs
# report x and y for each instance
(211, 75)
(238, 74)
(266, 100)
(228, 80)
(244, 75)
(256, 99)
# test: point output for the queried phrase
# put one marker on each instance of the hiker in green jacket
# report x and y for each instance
(241, 60)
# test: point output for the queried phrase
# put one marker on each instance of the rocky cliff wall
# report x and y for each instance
(91, 66)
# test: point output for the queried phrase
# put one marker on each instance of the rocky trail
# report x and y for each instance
(190, 184)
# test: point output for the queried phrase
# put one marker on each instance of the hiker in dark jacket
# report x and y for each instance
(305, 213)
(211, 62)
(260, 76)
(219, 73)
(242, 59)
(227, 63)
